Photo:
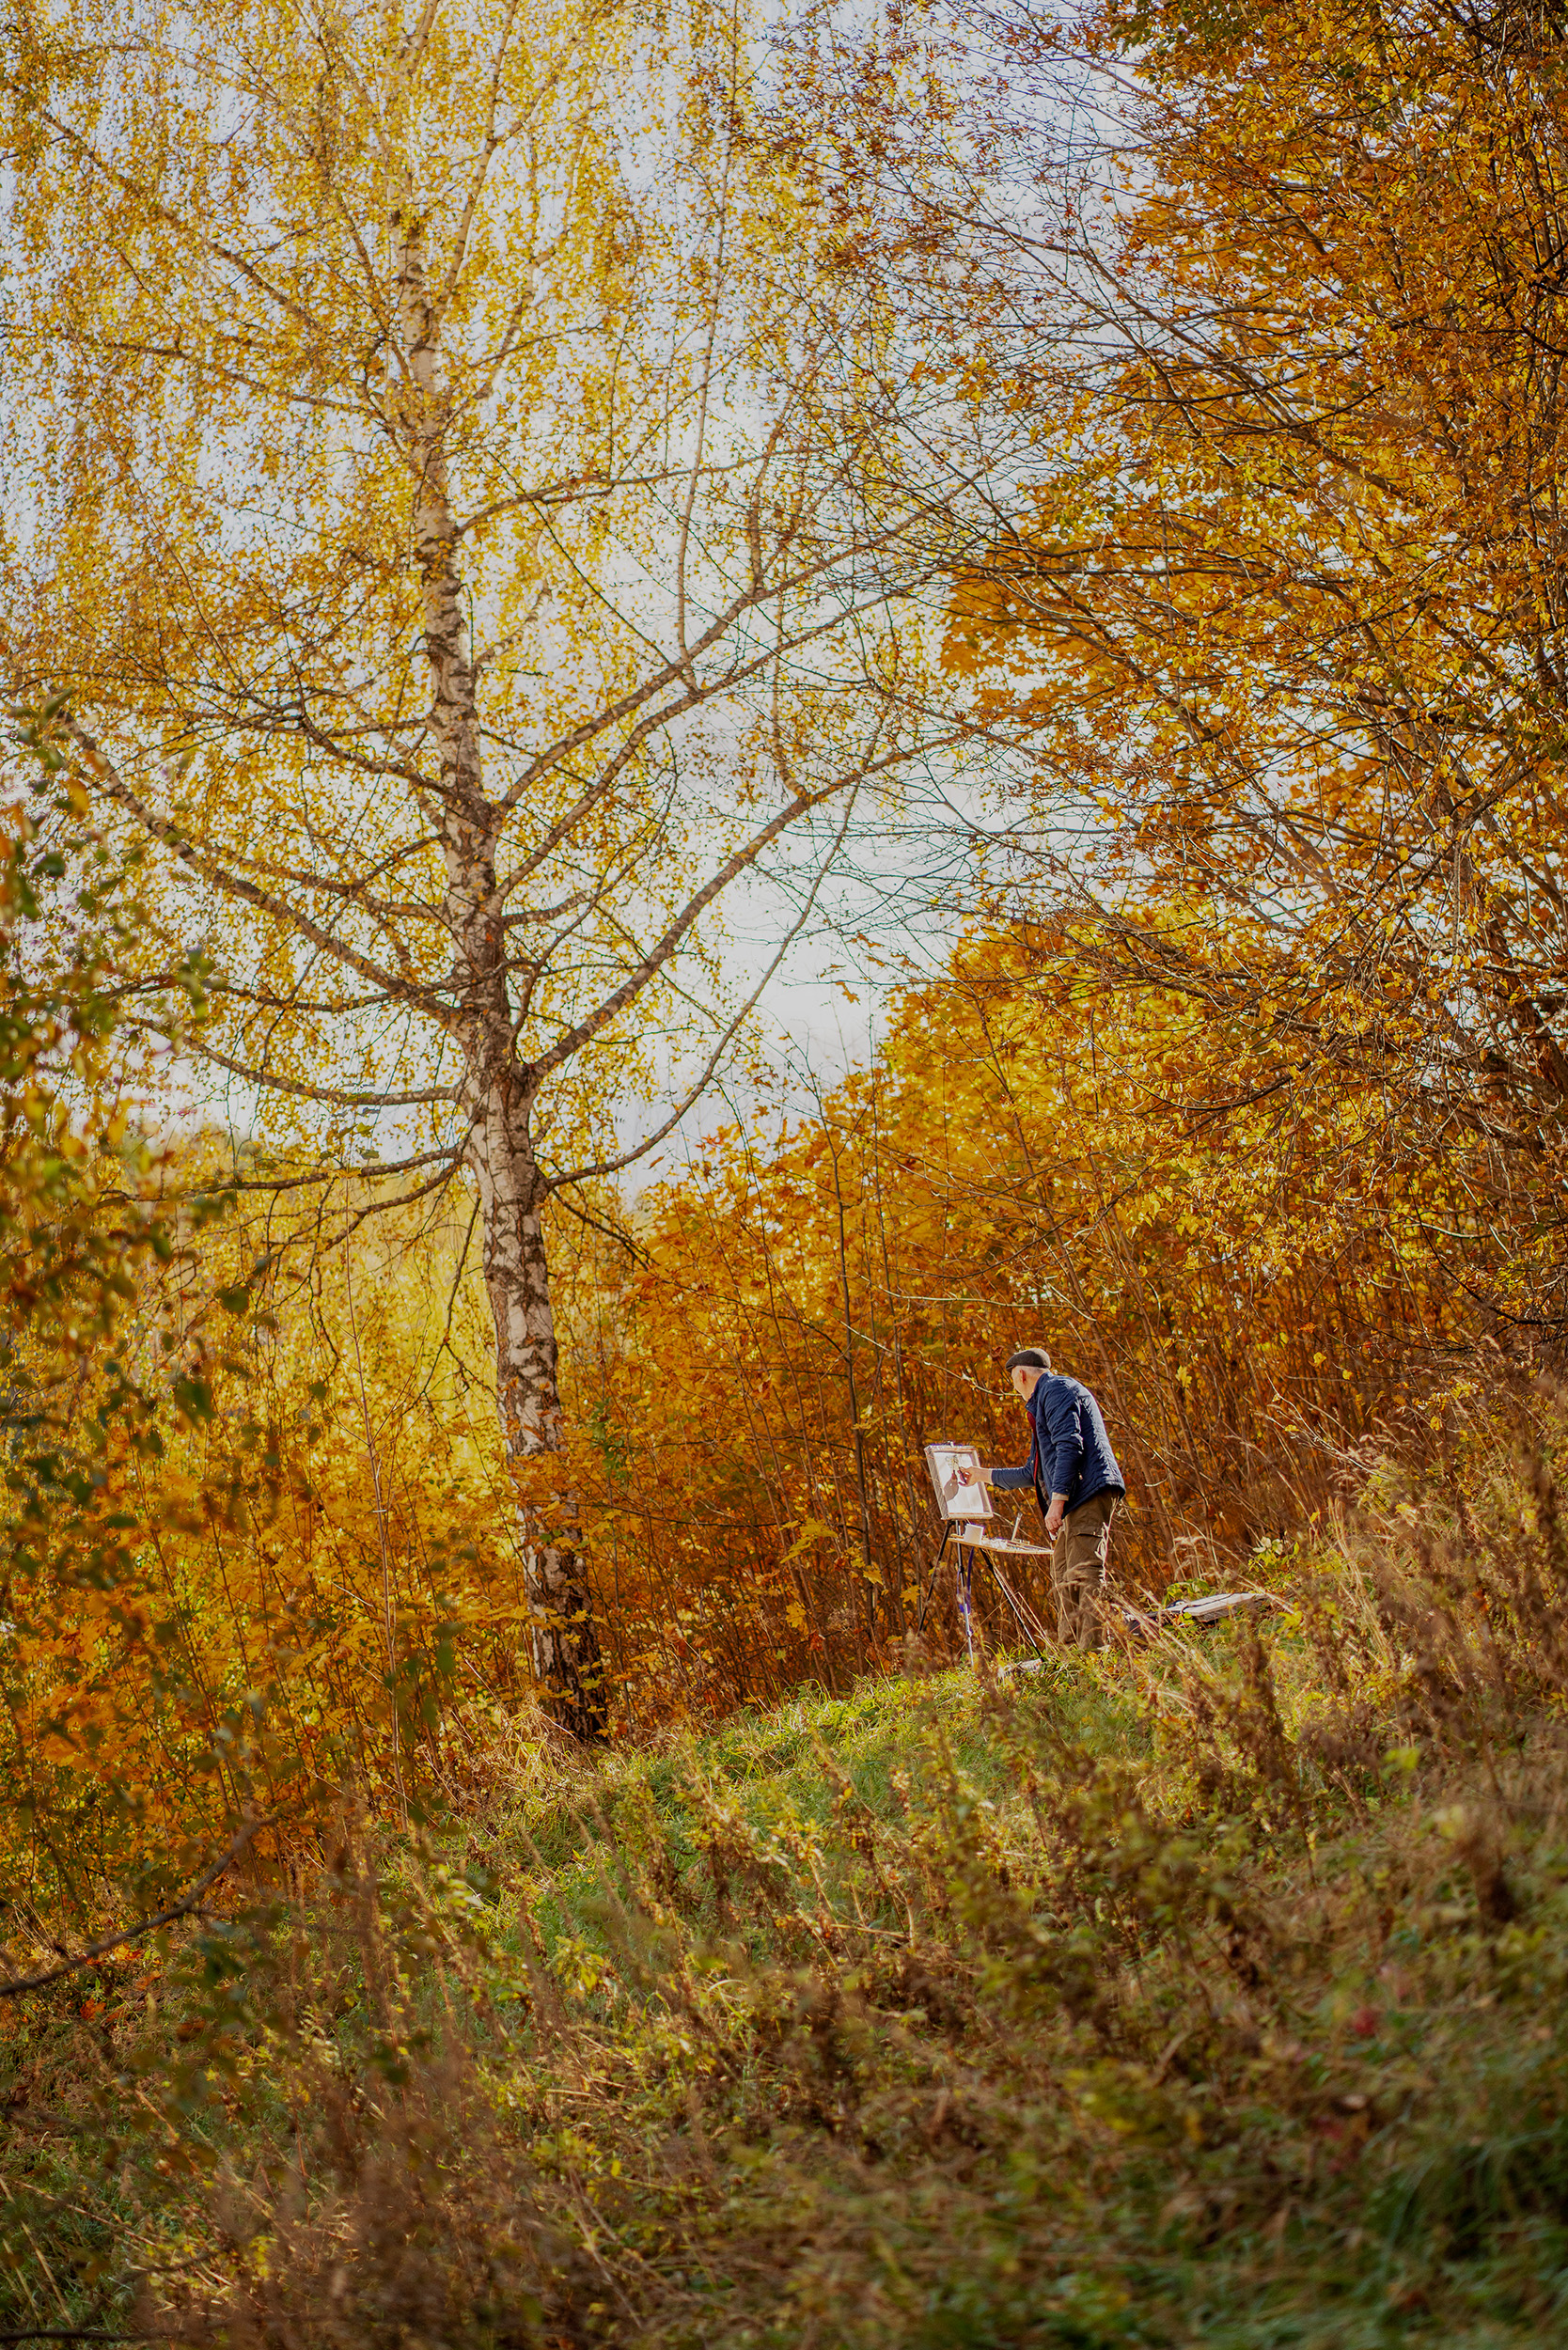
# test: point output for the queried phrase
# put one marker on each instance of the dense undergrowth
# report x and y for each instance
(1214, 1994)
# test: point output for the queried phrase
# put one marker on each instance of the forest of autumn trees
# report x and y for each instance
(522, 527)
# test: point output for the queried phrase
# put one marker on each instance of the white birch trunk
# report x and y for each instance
(498, 1090)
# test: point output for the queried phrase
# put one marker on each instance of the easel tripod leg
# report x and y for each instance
(1027, 1623)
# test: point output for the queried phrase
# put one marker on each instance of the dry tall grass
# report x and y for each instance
(1212, 1993)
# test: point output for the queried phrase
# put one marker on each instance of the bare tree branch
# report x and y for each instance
(188, 1902)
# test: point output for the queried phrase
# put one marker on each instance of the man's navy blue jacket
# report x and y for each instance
(1069, 1450)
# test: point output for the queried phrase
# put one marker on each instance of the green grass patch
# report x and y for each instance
(1217, 1996)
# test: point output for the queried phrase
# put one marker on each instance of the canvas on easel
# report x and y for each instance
(955, 1480)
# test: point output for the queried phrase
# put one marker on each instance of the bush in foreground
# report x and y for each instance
(1204, 1995)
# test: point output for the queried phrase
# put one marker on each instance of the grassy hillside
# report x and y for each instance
(1214, 1995)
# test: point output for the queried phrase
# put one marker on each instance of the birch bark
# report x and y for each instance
(498, 1089)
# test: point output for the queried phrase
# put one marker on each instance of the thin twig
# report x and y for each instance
(180, 1908)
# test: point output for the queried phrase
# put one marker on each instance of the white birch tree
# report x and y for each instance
(449, 464)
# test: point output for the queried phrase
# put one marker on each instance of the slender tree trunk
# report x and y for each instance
(565, 1637)
(497, 1089)
(860, 1433)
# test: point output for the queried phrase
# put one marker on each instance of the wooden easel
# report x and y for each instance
(972, 1536)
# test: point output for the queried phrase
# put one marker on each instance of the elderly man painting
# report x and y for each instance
(1072, 1463)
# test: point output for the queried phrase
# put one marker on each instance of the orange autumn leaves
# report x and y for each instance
(1289, 610)
(1036, 1155)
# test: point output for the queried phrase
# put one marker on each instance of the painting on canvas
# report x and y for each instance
(953, 1474)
